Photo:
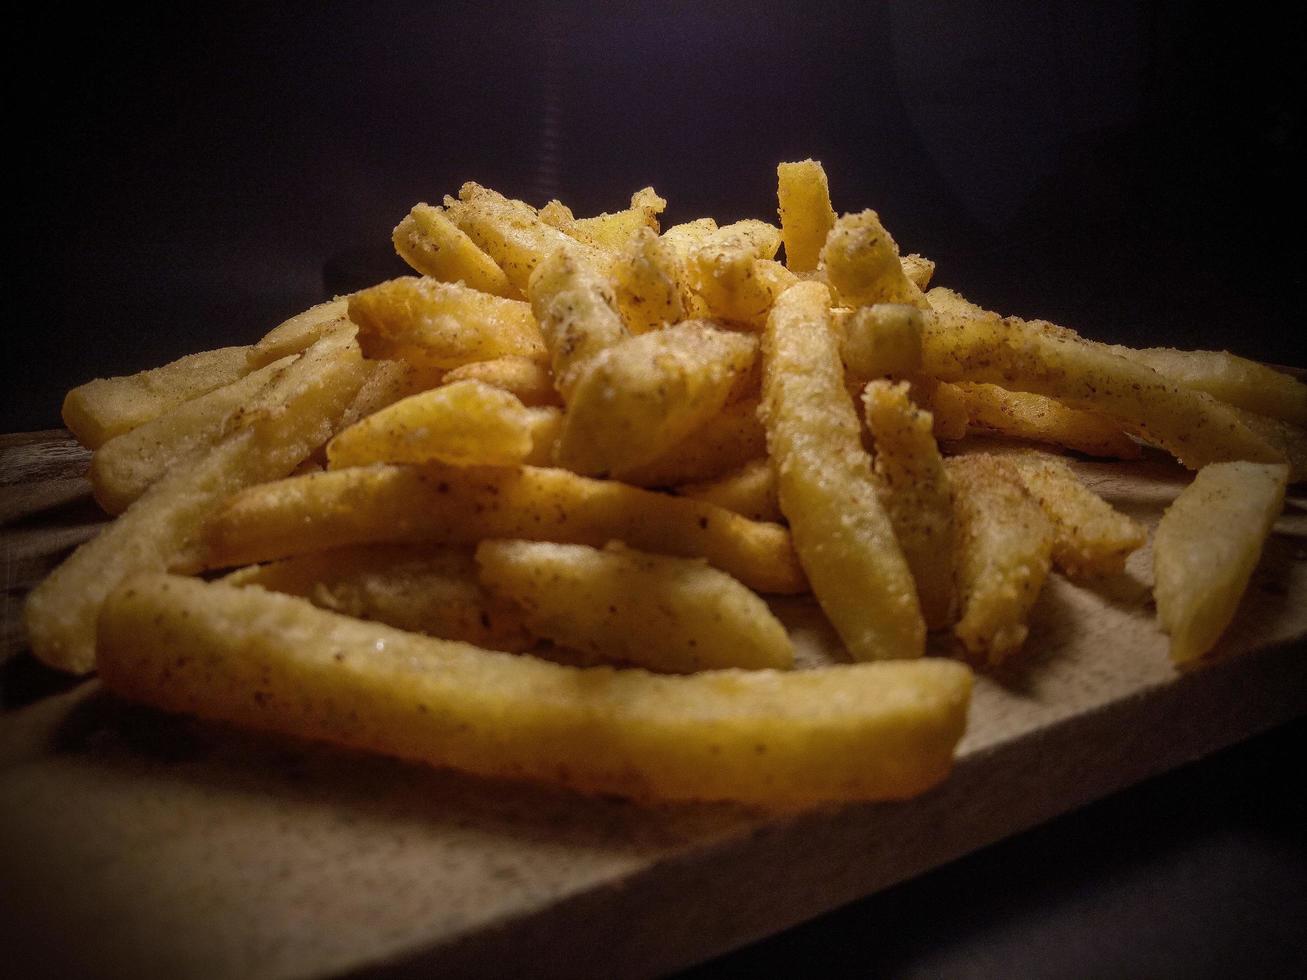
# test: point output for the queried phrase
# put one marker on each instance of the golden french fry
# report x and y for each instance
(462, 505)
(297, 334)
(639, 398)
(945, 402)
(952, 303)
(434, 246)
(1289, 440)
(387, 383)
(1234, 380)
(805, 212)
(99, 410)
(423, 589)
(685, 238)
(723, 270)
(917, 495)
(841, 532)
(673, 615)
(862, 264)
(918, 269)
(529, 380)
(882, 340)
(1023, 415)
(650, 281)
(544, 425)
(442, 324)
(613, 232)
(1090, 536)
(159, 531)
(1004, 546)
(1205, 549)
(272, 662)
(726, 441)
(749, 491)
(125, 466)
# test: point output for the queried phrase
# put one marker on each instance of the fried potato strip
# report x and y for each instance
(650, 281)
(726, 441)
(805, 211)
(298, 333)
(1023, 415)
(749, 491)
(434, 246)
(862, 264)
(529, 380)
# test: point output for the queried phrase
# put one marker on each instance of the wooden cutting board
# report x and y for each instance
(134, 843)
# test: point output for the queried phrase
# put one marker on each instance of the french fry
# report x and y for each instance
(685, 238)
(805, 212)
(272, 662)
(1205, 549)
(99, 410)
(434, 246)
(160, 530)
(545, 425)
(749, 491)
(1289, 440)
(723, 270)
(1004, 546)
(1090, 536)
(125, 466)
(918, 269)
(466, 423)
(882, 340)
(613, 232)
(577, 312)
(422, 589)
(862, 264)
(639, 398)
(529, 380)
(462, 505)
(945, 402)
(296, 335)
(672, 615)
(916, 494)
(387, 383)
(442, 324)
(1234, 380)
(651, 288)
(842, 534)
(1022, 415)
(726, 441)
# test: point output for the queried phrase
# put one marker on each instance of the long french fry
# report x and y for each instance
(299, 333)
(803, 195)
(749, 491)
(1023, 415)
(433, 245)
(863, 266)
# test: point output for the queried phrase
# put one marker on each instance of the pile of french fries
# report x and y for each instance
(513, 514)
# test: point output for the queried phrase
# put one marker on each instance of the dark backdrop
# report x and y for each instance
(182, 178)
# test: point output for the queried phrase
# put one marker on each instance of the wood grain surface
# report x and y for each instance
(133, 843)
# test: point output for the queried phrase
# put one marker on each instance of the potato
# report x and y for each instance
(529, 380)
(107, 407)
(296, 335)
(805, 212)
(544, 426)
(945, 402)
(918, 269)
(842, 534)
(466, 423)
(1205, 549)
(159, 531)
(434, 246)
(272, 662)
(862, 264)
(639, 398)
(749, 491)
(1004, 546)
(462, 505)
(421, 588)
(387, 383)
(613, 232)
(1022, 415)
(650, 281)
(442, 324)
(125, 466)
(881, 340)
(726, 441)
(1234, 380)
(673, 615)
(1288, 440)
(916, 494)
(723, 269)
(577, 311)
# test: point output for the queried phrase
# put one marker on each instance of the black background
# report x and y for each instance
(186, 178)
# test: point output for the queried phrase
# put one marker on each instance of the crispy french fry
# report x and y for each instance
(423, 589)
(1023, 415)
(387, 383)
(613, 232)
(918, 269)
(1289, 440)
(466, 423)
(544, 425)
(726, 441)
(650, 281)
(862, 264)
(639, 398)
(296, 335)
(462, 505)
(159, 531)
(1004, 547)
(861, 731)
(685, 238)
(1205, 549)
(805, 212)
(125, 466)
(917, 495)
(672, 615)
(558, 215)
(99, 410)
(944, 401)
(749, 491)
(1090, 537)
(952, 303)
(882, 340)
(434, 246)
(1234, 380)
(529, 380)
(442, 324)
(723, 270)
(842, 534)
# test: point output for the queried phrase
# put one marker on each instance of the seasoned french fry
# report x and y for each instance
(125, 466)
(159, 531)
(423, 589)
(639, 398)
(1090, 537)
(841, 532)
(296, 335)
(1004, 547)
(613, 232)
(651, 288)
(954, 304)
(726, 441)
(466, 423)
(882, 340)
(462, 505)
(1234, 380)
(1023, 415)
(577, 312)
(723, 269)
(862, 264)
(434, 246)
(805, 212)
(387, 383)
(1289, 440)
(107, 407)
(917, 495)
(1205, 549)
(918, 269)
(673, 615)
(685, 238)
(442, 324)
(945, 402)
(860, 731)
(545, 425)
(749, 491)
(529, 380)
